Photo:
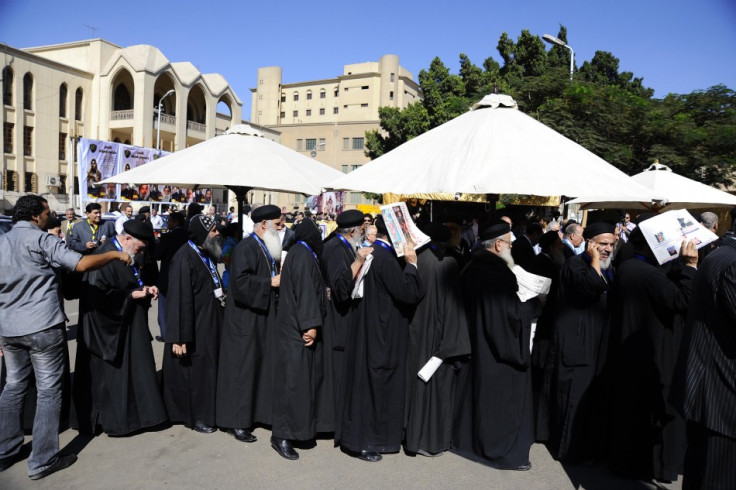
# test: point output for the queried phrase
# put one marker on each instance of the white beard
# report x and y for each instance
(273, 242)
(506, 256)
(605, 264)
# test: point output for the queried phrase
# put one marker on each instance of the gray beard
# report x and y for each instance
(273, 242)
(605, 264)
(213, 247)
(355, 241)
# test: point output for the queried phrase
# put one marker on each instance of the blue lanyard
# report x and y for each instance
(268, 254)
(386, 246)
(314, 255)
(135, 269)
(643, 258)
(208, 263)
(347, 244)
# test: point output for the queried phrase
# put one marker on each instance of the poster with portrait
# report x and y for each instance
(401, 228)
(98, 160)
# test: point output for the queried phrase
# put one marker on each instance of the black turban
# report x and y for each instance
(350, 218)
(199, 228)
(494, 230)
(138, 229)
(595, 229)
(267, 212)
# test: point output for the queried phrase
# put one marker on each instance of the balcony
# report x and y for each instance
(122, 115)
(196, 130)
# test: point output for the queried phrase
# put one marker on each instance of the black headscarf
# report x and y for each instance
(308, 232)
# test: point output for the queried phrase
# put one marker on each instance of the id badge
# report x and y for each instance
(218, 293)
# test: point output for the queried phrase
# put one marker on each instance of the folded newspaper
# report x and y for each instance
(401, 228)
(665, 233)
(358, 289)
(530, 285)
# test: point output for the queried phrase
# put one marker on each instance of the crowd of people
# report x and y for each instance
(624, 361)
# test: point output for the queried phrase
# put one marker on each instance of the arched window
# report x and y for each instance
(296, 96)
(7, 86)
(309, 95)
(78, 105)
(122, 99)
(322, 94)
(28, 92)
(62, 100)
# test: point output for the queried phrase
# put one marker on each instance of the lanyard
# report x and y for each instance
(347, 244)
(643, 258)
(310, 251)
(93, 229)
(135, 269)
(208, 263)
(386, 246)
(268, 254)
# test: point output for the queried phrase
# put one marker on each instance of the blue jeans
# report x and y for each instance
(42, 352)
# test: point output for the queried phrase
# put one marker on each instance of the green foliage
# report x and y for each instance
(609, 112)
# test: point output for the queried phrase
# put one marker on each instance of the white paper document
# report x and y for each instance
(401, 227)
(665, 233)
(358, 289)
(530, 285)
(429, 369)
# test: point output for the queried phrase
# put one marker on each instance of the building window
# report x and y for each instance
(283, 97)
(322, 111)
(78, 105)
(358, 143)
(8, 86)
(62, 100)
(27, 141)
(337, 92)
(355, 167)
(309, 95)
(322, 144)
(356, 197)
(346, 143)
(391, 95)
(344, 169)
(309, 112)
(31, 182)
(322, 94)
(8, 137)
(335, 110)
(10, 182)
(299, 145)
(295, 113)
(28, 92)
(392, 78)
(283, 114)
(364, 87)
(311, 144)
(62, 184)
(62, 146)
(296, 96)
(363, 105)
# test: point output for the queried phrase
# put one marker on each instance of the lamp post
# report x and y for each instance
(158, 120)
(553, 40)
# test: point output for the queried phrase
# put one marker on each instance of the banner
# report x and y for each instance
(99, 160)
(328, 202)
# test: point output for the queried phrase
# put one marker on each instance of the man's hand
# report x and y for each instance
(139, 293)
(152, 292)
(179, 349)
(689, 253)
(91, 245)
(309, 337)
(363, 253)
(276, 281)
(124, 257)
(409, 254)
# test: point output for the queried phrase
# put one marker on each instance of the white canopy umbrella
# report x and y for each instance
(240, 159)
(493, 149)
(675, 191)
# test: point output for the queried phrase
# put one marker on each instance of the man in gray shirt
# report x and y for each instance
(32, 326)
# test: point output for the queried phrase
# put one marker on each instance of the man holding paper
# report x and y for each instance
(495, 424)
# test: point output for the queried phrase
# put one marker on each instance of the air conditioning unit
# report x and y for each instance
(52, 180)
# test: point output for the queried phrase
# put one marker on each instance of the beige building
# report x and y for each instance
(327, 119)
(53, 95)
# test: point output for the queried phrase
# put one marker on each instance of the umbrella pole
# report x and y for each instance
(241, 194)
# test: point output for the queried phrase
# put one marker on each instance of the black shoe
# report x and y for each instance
(200, 426)
(243, 435)
(24, 452)
(370, 456)
(60, 463)
(284, 448)
(524, 467)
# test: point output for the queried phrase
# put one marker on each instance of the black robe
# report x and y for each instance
(647, 433)
(302, 299)
(245, 372)
(494, 423)
(438, 329)
(194, 317)
(115, 380)
(337, 259)
(375, 357)
(574, 359)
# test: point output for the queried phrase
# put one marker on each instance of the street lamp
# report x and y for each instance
(553, 40)
(158, 121)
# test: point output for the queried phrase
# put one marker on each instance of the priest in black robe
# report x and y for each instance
(341, 262)
(115, 382)
(647, 432)
(576, 393)
(494, 423)
(375, 354)
(297, 344)
(194, 318)
(245, 372)
(438, 329)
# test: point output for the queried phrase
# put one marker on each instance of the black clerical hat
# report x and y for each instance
(267, 212)
(548, 239)
(494, 230)
(380, 225)
(138, 229)
(595, 229)
(199, 227)
(350, 218)
(144, 209)
(436, 231)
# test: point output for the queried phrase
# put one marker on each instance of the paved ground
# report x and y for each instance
(177, 457)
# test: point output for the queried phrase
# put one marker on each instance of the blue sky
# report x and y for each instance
(675, 45)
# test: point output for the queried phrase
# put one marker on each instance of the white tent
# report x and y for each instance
(674, 191)
(493, 149)
(240, 159)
